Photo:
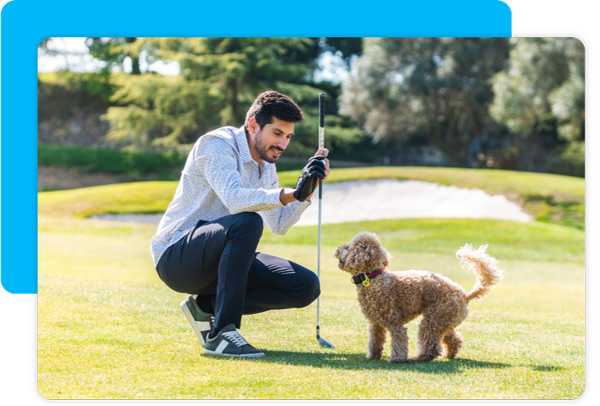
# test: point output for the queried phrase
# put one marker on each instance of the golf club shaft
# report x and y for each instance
(321, 137)
(319, 250)
(321, 145)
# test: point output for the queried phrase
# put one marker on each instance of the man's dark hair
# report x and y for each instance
(273, 104)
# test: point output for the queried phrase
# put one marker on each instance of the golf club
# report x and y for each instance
(322, 342)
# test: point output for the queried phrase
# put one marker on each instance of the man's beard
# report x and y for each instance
(263, 150)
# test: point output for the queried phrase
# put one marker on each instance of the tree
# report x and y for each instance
(219, 78)
(239, 68)
(114, 51)
(437, 87)
(344, 47)
(541, 95)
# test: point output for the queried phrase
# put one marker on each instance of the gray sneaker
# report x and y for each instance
(201, 322)
(230, 343)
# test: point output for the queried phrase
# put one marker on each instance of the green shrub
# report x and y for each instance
(62, 93)
(89, 160)
(568, 160)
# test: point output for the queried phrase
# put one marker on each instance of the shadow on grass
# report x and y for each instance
(546, 368)
(359, 361)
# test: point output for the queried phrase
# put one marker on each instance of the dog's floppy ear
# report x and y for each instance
(341, 253)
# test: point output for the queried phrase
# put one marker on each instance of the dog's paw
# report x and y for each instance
(397, 360)
(373, 356)
(421, 358)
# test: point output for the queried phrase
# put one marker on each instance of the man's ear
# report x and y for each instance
(253, 126)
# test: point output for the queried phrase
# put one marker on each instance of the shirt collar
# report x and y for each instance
(243, 146)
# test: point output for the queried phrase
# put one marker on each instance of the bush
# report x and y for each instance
(62, 93)
(569, 160)
(132, 163)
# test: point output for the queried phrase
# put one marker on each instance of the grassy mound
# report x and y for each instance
(548, 198)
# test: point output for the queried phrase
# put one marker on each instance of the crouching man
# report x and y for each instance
(206, 241)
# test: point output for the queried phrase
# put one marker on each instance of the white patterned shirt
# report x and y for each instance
(220, 178)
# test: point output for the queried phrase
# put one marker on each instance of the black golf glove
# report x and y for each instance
(309, 179)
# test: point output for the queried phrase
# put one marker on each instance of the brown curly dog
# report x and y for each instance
(389, 300)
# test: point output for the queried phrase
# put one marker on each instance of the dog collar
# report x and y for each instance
(364, 278)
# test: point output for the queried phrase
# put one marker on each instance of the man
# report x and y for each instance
(206, 241)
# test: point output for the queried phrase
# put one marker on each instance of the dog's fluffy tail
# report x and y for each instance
(483, 266)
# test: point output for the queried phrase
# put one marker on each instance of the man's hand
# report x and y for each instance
(309, 179)
(324, 152)
(289, 195)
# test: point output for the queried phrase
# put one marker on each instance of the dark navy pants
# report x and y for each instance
(217, 260)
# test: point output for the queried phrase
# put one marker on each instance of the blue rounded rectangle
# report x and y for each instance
(25, 23)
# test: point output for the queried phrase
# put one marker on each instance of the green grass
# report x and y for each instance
(108, 328)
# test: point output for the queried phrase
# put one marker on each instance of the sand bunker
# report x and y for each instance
(392, 199)
(389, 199)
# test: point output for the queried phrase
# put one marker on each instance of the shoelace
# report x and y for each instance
(235, 338)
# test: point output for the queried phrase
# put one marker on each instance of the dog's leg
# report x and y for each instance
(452, 342)
(399, 344)
(430, 336)
(376, 341)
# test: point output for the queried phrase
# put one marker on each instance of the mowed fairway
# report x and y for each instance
(109, 328)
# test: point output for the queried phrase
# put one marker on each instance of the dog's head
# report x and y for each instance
(363, 254)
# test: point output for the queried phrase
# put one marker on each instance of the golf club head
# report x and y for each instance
(324, 343)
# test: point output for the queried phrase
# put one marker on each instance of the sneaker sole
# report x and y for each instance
(257, 355)
(193, 322)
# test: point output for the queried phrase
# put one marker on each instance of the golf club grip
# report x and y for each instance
(322, 110)
(320, 188)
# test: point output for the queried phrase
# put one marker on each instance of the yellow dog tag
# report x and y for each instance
(366, 283)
